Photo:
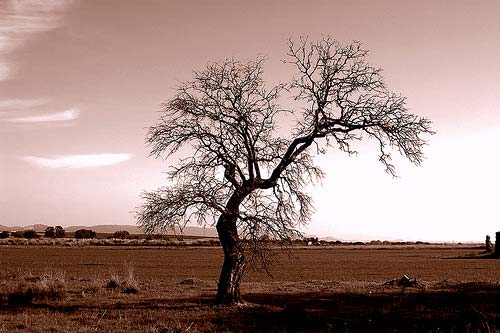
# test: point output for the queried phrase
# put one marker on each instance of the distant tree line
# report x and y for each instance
(56, 232)
(29, 234)
(59, 232)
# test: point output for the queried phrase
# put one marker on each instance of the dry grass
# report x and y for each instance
(126, 283)
(26, 288)
(320, 290)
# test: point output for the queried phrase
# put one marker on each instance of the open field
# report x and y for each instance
(337, 289)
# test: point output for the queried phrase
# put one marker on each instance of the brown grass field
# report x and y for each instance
(320, 289)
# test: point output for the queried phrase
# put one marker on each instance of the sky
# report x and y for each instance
(80, 82)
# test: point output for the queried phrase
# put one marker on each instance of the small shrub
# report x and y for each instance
(130, 284)
(85, 233)
(22, 294)
(48, 286)
(92, 289)
(95, 285)
(122, 234)
(127, 284)
(50, 232)
(60, 232)
(4, 234)
(114, 281)
(52, 286)
(17, 234)
(29, 234)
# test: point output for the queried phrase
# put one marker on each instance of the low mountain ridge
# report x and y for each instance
(111, 228)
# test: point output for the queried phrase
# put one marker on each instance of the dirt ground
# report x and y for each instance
(334, 289)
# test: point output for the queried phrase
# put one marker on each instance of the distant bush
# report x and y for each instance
(122, 234)
(210, 242)
(17, 234)
(213, 242)
(60, 232)
(29, 234)
(4, 234)
(311, 241)
(156, 237)
(161, 237)
(50, 232)
(85, 233)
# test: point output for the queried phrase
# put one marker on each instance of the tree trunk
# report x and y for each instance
(228, 291)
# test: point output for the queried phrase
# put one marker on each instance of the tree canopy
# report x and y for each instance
(239, 170)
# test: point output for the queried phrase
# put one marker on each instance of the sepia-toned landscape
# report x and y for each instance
(249, 166)
(327, 288)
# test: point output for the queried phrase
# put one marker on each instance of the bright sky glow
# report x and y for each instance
(451, 197)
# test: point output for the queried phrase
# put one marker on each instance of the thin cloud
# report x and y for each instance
(77, 161)
(21, 104)
(67, 115)
(20, 20)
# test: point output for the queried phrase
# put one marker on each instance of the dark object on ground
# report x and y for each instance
(497, 244)
(488, 245)
(404, 281)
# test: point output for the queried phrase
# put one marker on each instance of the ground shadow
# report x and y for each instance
(443, 311)
(147, 304)
(467, 307)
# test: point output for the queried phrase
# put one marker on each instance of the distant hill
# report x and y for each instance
(107, 228)
(36, 227)
(111, 228)
(5, 228)
(188, 231)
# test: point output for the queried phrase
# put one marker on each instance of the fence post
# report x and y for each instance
(488, 244)
(497, 244)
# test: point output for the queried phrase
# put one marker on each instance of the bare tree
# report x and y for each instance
(246, 176)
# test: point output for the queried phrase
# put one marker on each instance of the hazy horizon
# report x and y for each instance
(189, 230)
(80, 81)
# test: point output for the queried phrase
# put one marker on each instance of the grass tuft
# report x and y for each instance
(127, 284)
(49, 286)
